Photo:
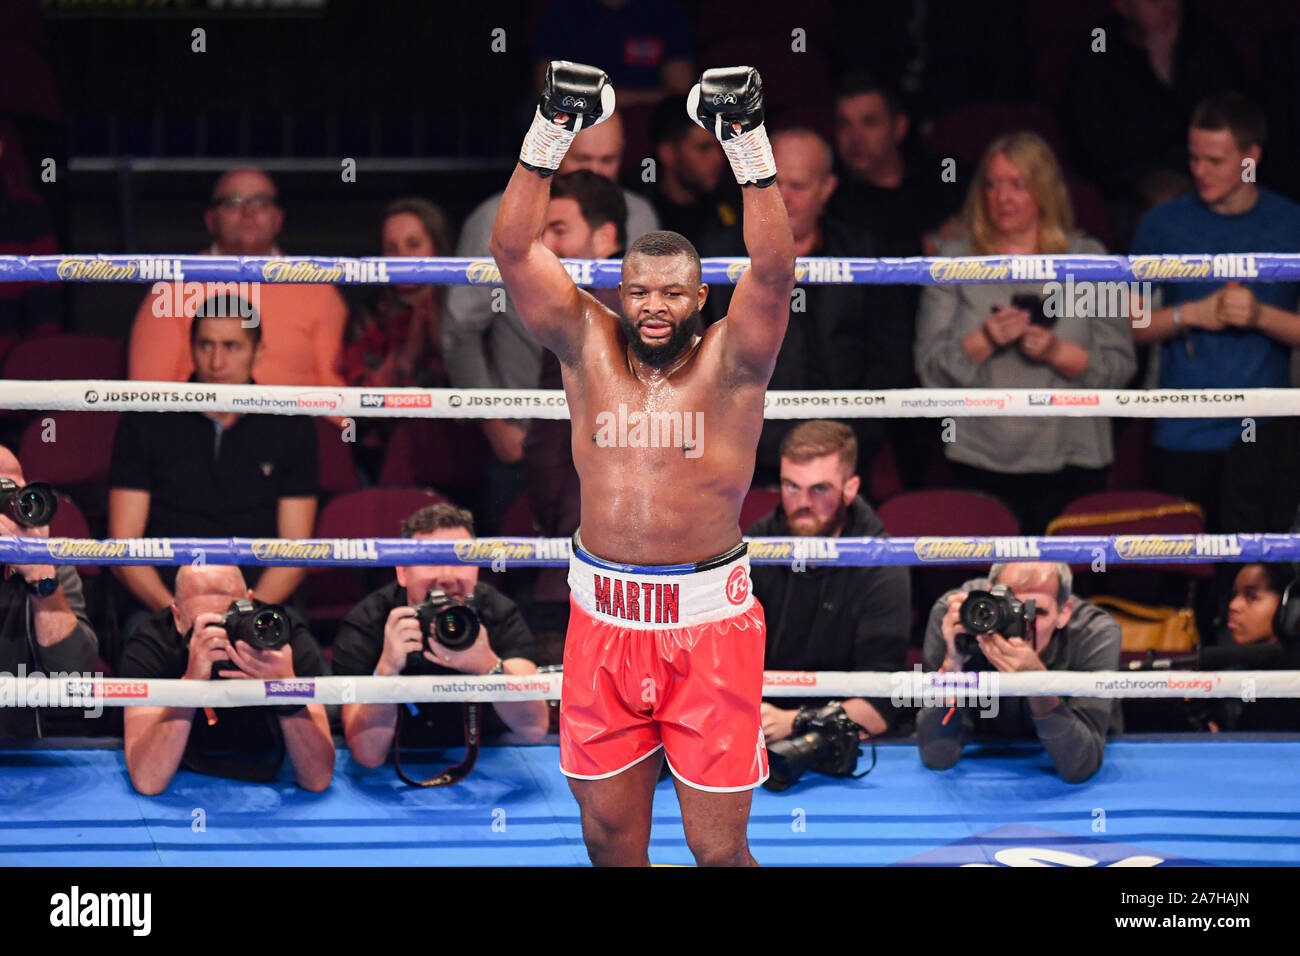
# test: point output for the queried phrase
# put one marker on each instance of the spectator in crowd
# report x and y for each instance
(644, 45)
(843, 336)
(485, 348)
(382, 636)
(1258, 639)
(829, 618)
(43, 622)
(978, 335)
(303, 331)
(688, 173)
(212, 474)
(1227, 332)
(586, 219)
(1069, 635)
(26, 308)
(395, 339)
(187, 641)
(1129, 100)
(904, 202)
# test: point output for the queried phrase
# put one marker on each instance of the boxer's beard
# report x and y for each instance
(826, 529)
(660, 354)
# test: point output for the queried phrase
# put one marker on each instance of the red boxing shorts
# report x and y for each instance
(664, 656)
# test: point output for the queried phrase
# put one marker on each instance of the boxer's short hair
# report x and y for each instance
(600, 200)
(818, 437)
(661, 242)
(1235, 113)
(437, 517)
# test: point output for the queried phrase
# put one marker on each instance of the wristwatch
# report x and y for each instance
(499, 669)
(42, 588)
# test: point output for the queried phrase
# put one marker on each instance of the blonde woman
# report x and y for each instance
(1024, 335)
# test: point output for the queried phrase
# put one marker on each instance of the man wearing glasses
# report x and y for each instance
(302, 325)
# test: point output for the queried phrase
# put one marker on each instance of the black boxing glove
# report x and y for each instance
(574, 97)
(728, 102)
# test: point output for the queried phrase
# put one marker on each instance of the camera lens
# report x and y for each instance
(980, 614)
(34, 505)
(269, 630)
(788, 759)
(456, 627)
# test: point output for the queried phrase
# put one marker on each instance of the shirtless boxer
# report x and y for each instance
(664, 652)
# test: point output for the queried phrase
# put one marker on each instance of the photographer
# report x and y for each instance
(199, 638)
(43, 623)
(383, 636)
(1068, 634)
(832, 618)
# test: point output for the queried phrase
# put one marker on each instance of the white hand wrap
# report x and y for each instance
(547, 142)
(751, 156)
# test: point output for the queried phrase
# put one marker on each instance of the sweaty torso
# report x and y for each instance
(664, 462)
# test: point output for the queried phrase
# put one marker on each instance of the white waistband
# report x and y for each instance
(646, 600)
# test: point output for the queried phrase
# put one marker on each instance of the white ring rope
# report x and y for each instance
(904, 687)
(129, 396)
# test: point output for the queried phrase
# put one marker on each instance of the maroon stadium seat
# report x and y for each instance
(368, 513)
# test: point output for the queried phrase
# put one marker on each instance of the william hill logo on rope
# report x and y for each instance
(160, 548)
(954, 549)
(482, 272)
(338, 549)
(817, 549)
(1176, 546)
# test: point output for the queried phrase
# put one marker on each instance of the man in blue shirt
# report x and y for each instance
(1226, 333)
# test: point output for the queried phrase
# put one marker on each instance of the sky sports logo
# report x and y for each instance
(373, 400)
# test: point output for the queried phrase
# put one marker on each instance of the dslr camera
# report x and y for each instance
(984, 612)
(452, 623)
(824, 739)
(266, 628)
(32, 505)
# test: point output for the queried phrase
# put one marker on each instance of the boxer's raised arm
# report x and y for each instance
(729, 103)
(549, 303)
(543, 292)
(760, 307)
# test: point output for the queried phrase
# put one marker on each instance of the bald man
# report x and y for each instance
(43, 623)
(1068, 634)
(302, 325)
(484, 348)
(839, 336)
(249, 743)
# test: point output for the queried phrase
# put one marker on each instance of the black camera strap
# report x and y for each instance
(855, 776)
(473, 713)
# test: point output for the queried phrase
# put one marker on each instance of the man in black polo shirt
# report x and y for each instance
(43, 623)
(381, 636)
(213, 474)
(247, 743)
